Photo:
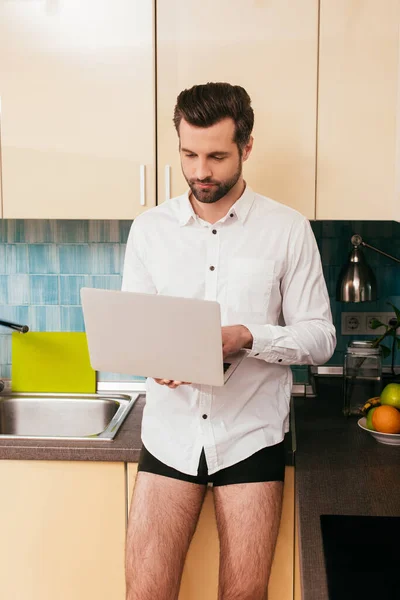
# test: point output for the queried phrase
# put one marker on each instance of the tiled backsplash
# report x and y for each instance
(44, 263)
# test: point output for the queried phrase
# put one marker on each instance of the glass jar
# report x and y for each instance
(362, 376)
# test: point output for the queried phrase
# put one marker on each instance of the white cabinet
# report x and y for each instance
(271, 49)
(358, 161)
(63, 527)
(77, 108)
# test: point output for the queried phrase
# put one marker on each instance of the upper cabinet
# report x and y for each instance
(358, 164)
(77, 108)
(270, 48)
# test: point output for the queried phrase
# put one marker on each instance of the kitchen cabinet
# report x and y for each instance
(63, 527)
(200, 575)
(77, 108)
(269, 48)
(358, 166)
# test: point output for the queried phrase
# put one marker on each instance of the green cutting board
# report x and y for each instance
(51, 362)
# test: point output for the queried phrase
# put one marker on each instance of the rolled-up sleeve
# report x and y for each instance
(308, 336)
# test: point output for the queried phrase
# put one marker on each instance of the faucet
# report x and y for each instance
(20, 328)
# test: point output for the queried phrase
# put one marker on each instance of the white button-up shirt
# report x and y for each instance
(267, 276)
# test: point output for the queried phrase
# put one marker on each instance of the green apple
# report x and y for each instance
(391, 395)
(369, 418)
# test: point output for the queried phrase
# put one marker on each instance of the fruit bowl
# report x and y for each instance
(391, 439)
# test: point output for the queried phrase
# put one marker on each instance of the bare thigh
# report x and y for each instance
(162, 520)
(248, 517)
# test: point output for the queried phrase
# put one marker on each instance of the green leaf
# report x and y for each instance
(375, 323)
(385, 350)
(396, 310)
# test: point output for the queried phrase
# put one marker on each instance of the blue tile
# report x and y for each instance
(104, 231)
(106, 376)
(107, 282)
(74, 259)
(122, 253)
(5, 349)
(72, 318)
(43, 258)
(14, 314)
(5, 371)
(336, 359)
(13, 258)
(15, 230)
(3, 231)
(124, 229)
(44, 318)
(39, 231)
(334, 252)
(14, 289)
(44, 289)
(105, 258)
(72, 231)
(70, 286)
(316, 226)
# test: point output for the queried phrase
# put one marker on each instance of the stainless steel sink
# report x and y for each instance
(94, 417)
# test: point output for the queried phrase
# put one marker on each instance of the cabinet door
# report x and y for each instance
(77, 108)
(63, 527)
(270, 48)
(358, 162)
(200, 575)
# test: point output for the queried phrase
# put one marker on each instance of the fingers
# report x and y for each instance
(171, 383)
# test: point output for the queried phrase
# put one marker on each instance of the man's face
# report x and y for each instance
(211, 163)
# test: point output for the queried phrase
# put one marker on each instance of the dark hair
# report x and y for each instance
(205, 105)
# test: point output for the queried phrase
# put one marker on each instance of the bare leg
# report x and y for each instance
(162, 520)
(248, 517)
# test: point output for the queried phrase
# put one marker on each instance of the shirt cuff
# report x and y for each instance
(263, 346)
(262, 339)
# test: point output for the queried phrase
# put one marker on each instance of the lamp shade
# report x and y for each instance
(357, 281)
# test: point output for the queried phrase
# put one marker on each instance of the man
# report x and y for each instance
(258, 258)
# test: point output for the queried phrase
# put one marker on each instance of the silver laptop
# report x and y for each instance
(157, 336)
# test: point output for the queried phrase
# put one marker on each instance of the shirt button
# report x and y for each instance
(279, 360)
(212, 268)
(257, 354)
(204, 416)
(231, 215)
(214, 231)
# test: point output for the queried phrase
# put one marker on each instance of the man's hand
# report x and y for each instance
(234, 338)
(171, 383)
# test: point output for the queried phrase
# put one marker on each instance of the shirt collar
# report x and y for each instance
(240, 209)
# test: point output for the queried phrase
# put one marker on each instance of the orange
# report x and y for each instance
(386, 419)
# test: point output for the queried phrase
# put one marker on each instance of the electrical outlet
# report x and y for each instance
(360, 322)
(352, 323)
(384, 317)
(369, 317)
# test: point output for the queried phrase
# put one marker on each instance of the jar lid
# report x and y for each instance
(361, 344)
(364, 351)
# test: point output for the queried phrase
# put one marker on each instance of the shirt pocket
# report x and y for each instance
(249, 286)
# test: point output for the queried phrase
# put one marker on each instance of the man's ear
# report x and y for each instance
(247, 149)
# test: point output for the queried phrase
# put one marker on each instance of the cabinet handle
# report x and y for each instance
(167, 182)
(142, 185)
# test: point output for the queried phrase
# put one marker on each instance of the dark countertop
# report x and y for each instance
(124, 448)
(340, 470)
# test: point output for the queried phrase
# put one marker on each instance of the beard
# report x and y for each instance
(218, 190)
